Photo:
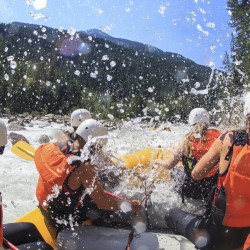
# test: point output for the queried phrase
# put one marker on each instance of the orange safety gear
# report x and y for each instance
(237, 189)
(232, 195)
(198, 148)
(53, 168)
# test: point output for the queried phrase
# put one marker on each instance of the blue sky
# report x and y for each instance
(197, 29)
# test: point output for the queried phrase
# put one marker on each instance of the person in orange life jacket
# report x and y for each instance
(226, 222)
(68, 188)
(23, 235)
(195, 144)
(107, 177)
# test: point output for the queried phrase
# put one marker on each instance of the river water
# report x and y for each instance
(19, 177)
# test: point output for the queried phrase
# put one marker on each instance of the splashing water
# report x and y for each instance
(129, 137)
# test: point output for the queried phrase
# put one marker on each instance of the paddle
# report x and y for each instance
(24, 150)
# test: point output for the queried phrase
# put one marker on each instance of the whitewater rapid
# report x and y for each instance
(19, 177)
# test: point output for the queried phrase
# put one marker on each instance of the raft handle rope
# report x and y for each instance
(5, 241)
(147, 201)
(148, 204)
(130, 238)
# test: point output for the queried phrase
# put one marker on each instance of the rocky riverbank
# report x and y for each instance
(19, 121)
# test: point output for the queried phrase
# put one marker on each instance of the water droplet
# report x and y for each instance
(71, 31)
(150, 90)
(13, 64)
(125, 207)
(77, 72)
(10, 58)
(112, 64)
(109, 77)
(111, 117)
(6, 77)
(105, 57)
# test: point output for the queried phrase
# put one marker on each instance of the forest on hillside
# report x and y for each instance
(47, 70)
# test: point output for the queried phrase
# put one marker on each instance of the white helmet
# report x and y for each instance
(91, 128)
(198, 115)
(78, 116)
(247, 104)
(3, 133)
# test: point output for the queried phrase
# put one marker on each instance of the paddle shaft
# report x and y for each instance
(115, 196)
(9, 245)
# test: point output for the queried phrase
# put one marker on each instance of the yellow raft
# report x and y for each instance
(37, 219)
(141, 162)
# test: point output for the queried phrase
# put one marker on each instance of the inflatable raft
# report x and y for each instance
(95, 238)
(91, 237)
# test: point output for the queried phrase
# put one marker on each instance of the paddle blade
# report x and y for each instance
(24, 150)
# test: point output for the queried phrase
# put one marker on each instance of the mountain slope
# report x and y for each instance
(94, 70)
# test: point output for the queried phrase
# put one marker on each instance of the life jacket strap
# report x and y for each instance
(240, 139)
(130, 238)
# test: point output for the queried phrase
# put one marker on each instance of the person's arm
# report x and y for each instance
(177, 156)
(208, 161)
(88, 177)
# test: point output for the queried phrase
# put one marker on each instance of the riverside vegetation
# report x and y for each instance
(55, 71)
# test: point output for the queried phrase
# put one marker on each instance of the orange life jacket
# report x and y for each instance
(247, 243)
(198, 148)
(237, 187)
(53, 168)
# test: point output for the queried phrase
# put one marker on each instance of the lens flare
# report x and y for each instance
(71, 46)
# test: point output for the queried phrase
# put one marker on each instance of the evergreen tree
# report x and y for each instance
(240, 19)
(226, 63)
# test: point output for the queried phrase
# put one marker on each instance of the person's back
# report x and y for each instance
(195, 144)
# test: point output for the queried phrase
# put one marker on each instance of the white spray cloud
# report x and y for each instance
(37, 4)
(199, 28)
